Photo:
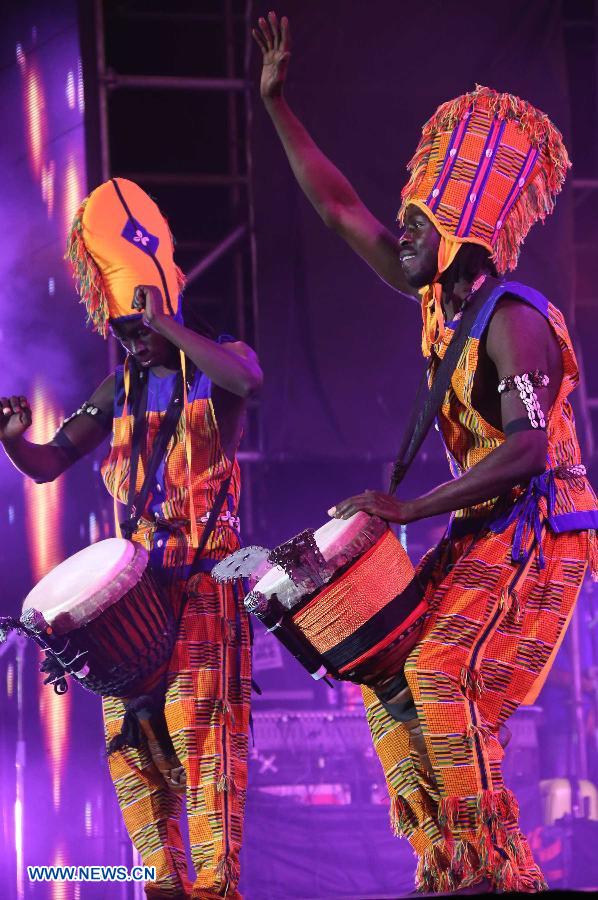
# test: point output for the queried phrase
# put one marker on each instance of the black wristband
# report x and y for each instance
(522, 424)
(61, 440)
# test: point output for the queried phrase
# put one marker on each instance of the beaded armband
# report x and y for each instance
(524, 384)
(103, 419)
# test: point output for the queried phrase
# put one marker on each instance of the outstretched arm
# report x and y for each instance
(77, 437)
(327, 189)
(519, 340)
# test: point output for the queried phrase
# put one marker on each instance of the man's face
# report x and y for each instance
(147, 347)
(418, 248)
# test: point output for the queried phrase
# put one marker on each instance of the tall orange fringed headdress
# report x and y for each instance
(487, 167)
(118, 240)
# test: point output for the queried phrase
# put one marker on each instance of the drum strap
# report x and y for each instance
(136, 502)
(423, 416)
(210, 524)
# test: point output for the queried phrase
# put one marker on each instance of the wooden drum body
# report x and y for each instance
(345, 593)
(104, 619)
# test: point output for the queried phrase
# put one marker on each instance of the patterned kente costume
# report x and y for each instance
(209, 676)
(119, 240)
(509, 571)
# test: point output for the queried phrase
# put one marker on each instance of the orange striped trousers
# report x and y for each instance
(491, 634)
(207, 715)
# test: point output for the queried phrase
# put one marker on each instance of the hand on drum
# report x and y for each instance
(376, 503)
(15, 417)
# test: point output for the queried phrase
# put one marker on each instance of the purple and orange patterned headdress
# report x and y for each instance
(487, 167)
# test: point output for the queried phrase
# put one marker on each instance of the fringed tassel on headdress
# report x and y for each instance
(180, 278)
(88, 278)
(179, 274)
(536, 200)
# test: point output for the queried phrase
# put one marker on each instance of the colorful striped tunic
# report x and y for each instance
(499, 601)
(208, 679)
(469, 438)
(167, 509)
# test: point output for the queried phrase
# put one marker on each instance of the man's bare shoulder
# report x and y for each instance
(514, 317)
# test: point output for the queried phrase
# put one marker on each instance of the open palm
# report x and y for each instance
(274, 40)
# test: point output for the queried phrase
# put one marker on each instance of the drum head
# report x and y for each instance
(85, 584)
(333, 538)
(336, 534)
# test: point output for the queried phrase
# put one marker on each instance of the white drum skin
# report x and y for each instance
(331, 538)
(84, 585)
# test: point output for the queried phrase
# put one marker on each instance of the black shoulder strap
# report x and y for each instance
(211, 523)
(136, 501)
(421, 419)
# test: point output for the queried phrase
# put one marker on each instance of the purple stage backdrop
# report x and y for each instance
(341, 349)
(55, 798)
(341, 358)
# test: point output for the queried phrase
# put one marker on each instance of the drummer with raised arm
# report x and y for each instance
(175, 411)
(523, 515)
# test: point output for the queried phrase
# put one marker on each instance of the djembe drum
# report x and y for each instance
(342, 599)
(102, 617)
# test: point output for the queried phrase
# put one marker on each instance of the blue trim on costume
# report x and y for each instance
(560, 523)
(521, 291)
(580, 520)
(526, 512)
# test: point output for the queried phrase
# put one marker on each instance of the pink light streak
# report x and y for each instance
(44, 520)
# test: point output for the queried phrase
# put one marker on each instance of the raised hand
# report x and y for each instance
(15, 417)
(274, 40)
(147, 299)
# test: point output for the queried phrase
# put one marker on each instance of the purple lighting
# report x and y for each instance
(341, 353)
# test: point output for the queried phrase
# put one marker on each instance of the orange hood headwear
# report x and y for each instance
(487, 167)
(119, 239)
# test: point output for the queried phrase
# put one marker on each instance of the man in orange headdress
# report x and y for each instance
(506, 576)
(196, 743)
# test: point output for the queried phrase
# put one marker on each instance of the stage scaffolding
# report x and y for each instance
(580, 30)
(580, 34)
(113, 93)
